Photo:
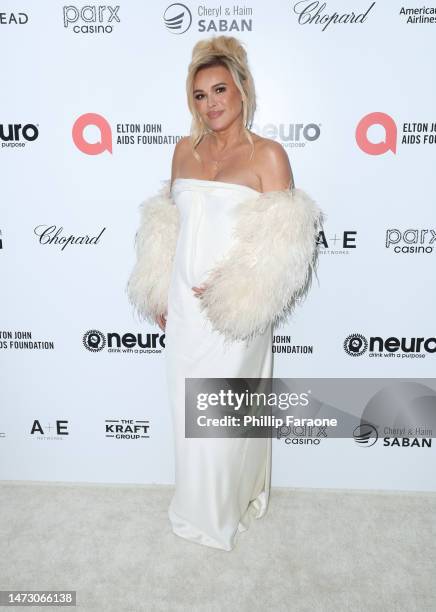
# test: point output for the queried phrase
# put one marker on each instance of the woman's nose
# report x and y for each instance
(211, 101)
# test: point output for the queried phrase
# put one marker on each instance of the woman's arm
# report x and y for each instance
(274, 168)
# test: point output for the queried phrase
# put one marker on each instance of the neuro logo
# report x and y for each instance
(365, 435)
(177, 18)
(377, 148)
(94, 340)
(400, 347)
(355, 345)
(18, 132)
(92, 148)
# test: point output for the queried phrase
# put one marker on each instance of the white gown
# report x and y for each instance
(221, 483)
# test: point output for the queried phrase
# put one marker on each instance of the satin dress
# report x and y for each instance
(221, 484)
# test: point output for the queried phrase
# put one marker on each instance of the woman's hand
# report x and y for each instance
(161, 320)
(198, 291)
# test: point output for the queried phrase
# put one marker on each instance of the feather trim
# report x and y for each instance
(155, 244)
(269, 266)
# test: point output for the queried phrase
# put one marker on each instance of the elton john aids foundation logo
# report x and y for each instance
(83, 141)
(389, 143)
(411, 133)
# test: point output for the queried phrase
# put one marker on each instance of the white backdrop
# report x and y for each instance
(315, 83)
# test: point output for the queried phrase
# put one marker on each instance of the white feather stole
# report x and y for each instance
(265, 272)
(268, 268)
(155, 243)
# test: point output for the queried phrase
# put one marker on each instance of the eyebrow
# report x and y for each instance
(216, 85)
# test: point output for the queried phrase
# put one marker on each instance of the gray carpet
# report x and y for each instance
(314, 550)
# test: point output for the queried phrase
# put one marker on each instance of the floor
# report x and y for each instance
(314, 550)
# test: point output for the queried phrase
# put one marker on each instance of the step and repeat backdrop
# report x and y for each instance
(93, 102)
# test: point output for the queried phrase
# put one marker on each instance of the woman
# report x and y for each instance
(223, 252)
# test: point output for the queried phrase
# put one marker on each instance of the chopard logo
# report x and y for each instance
(51, 234)
(313, 13)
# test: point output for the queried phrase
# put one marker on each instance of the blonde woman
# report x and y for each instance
(223, 251)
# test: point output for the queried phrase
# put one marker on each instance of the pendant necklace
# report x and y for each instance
(219, 161)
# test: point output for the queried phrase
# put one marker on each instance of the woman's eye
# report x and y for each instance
(218, 89)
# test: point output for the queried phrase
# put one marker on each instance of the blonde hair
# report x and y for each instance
(224, 51)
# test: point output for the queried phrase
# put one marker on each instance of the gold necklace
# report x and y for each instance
(217, 162)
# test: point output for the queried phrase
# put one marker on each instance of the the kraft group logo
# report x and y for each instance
(127, 429)
(105, 134)
(177, 18)
(377, 148)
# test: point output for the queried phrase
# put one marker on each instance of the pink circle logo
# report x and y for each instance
(92, 148)
(377, 148)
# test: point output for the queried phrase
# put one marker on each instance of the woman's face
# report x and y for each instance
(216, 97)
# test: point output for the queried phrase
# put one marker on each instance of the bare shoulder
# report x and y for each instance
(182, 146)
(268, 148)
(273, 165)
(181, 149)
